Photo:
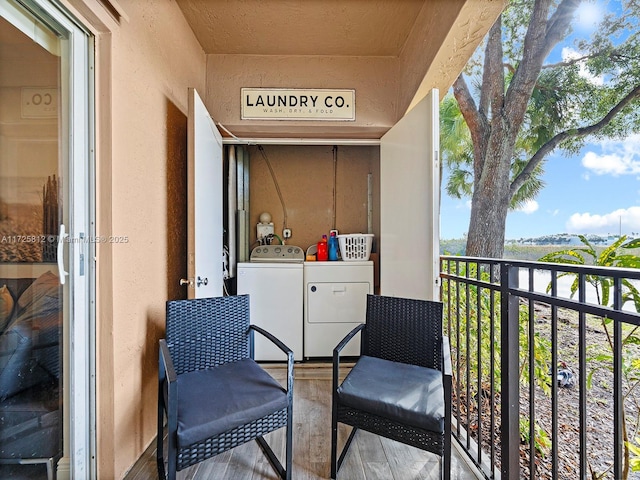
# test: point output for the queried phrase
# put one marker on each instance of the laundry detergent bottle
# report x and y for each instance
(323, 249)
(333, 246)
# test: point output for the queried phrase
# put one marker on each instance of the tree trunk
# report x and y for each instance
(495, 121)
(487, 227)
(489, 206)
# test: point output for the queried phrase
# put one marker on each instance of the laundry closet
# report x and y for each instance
(308, 191)
(281, 196)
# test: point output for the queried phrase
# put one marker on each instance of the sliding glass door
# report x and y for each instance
(46, 347)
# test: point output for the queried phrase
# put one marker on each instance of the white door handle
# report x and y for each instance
(61, 272)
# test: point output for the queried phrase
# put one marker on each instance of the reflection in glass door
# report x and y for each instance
(43, 157)
(31, 296)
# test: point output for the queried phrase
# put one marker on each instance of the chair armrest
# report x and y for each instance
(446, 357)
(338, 349)
(166, 363)
(167, 385)
(278, 343)
(347, 339)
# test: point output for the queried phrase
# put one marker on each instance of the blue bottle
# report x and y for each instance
(333, 246)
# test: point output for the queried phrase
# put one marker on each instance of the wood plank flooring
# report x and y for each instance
(370, 457)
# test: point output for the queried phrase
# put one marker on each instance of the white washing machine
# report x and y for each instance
(335, 301)
(273, 279)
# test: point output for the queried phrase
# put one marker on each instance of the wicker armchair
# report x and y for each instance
(214, 396)
(400, 387)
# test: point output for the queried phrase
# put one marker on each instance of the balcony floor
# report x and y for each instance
(370, 456)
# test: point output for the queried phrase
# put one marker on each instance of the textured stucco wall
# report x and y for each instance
(155, 59)
(144, 65)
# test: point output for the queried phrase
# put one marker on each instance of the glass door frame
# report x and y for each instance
(78, 120)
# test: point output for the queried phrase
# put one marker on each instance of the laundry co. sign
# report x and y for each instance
(298, 104)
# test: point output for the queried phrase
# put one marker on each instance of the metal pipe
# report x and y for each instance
(231, 211)
(335, 182)
(242, 162)
(370, 203)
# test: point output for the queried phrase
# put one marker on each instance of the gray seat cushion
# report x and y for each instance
(404, 393)
(216, 400)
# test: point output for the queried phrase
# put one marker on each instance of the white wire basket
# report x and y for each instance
(355, 246)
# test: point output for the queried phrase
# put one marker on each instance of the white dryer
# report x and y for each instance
(273, 279)
(335, 301)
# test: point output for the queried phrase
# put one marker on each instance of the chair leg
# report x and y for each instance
(446, 464)
(446, 458)
(160, 458)
(289, 446)
(334, 442)
(336, 463)
(170, 472)
(285, 472)
(273, 460)
(159, 442)
(172, 455)
(346, 448)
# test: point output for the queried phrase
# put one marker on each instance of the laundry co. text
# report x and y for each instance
(297, 104)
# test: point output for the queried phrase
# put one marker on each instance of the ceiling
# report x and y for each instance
(391, 52)
(293, 27)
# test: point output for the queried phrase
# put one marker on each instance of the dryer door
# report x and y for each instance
(333, 309)
(337, 302)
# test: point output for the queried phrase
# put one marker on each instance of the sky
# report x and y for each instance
(596, 191)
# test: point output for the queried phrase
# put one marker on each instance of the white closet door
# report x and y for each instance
(204, 169)
(409, 198)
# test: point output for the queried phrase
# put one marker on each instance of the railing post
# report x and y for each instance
(510, 382)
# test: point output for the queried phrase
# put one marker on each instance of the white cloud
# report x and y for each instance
(529, 207)
(463, 205)
(610, 164)
(585, 223)
(618, 157)
(571, 54)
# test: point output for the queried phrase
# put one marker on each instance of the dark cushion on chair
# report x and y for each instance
(216, 400)
(404, 393)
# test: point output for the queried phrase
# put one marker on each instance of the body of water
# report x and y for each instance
(541, 279)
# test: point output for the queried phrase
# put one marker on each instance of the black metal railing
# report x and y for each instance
(529, 342)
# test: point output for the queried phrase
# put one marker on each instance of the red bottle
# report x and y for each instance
(323, 249)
